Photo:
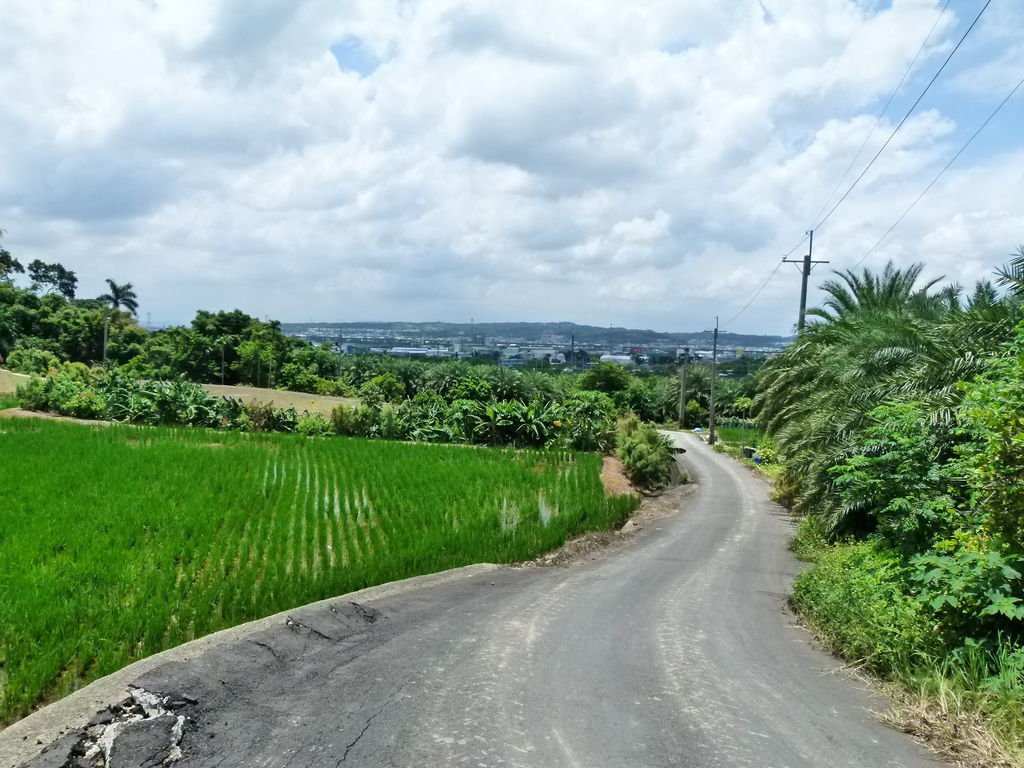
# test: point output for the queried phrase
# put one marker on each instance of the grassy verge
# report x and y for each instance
(967, 702)
(117, 543)
(739, 435)
(8, 401)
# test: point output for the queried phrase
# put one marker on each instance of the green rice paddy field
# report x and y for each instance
(740, 435)
(119, 542)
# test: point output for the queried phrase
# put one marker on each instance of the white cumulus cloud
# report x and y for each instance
(642, 163)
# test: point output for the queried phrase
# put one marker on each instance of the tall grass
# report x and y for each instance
(117, 543)
(966, 701)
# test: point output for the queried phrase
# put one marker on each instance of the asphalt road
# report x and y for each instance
(676, 650)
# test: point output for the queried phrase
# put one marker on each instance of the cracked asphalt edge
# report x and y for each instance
(24, 740)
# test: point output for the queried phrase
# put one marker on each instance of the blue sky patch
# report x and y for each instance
(353, 55)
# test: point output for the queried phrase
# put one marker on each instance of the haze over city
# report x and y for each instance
(636, 164)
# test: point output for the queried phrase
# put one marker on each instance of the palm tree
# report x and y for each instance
(878, 340)
(892, 290)
(1012, 275)
(120, 296)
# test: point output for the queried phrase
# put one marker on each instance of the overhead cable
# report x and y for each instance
(764, 285)
(905, 118)
(756, 293)
(885, 109)
(939, 176)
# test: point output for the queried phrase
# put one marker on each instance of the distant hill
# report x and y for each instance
(537, 333)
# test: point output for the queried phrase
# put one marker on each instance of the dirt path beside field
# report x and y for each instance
(301, 401)
(10, 381)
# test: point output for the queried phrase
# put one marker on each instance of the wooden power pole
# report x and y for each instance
(806, 265)
(682, 387)
(714, 379)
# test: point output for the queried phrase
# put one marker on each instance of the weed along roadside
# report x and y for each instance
(894, 428)
(858, 600)
(142, 539)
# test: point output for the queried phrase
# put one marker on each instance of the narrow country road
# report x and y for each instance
(676, 650)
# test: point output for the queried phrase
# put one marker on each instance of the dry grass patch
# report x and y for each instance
(300, 401)
(10, 381)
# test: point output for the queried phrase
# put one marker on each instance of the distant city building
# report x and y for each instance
(625, 360)
(419, 352)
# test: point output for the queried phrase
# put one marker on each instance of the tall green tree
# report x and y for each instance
(878, 339)
(53, 278)
(605, 377)
(120, 297)
(9, 266)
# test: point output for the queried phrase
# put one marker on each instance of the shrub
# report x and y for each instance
(646, 455)
(260, 416)
(461, 418)
(586, 421)
(389, 424)
(30, 360)
(425, 418)
(339, 388)
(84, 404)
(385, 388)
(605, 377)
(810, 541)
(857, 598)
(972, 594)
(36, 394)
(355, 421)
(313, 425)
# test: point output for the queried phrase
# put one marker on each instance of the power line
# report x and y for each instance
(944, 169)
(888, 103)
(764, 285)
(883, 147)
(905, 117)
(756, 293)
(792, 250)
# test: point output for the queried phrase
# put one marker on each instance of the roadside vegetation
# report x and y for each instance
(897, 420)
(147, 538)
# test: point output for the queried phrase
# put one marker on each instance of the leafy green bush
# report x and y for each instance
(313, 425)
(36, 394)
(810, 541)
(32, 360)
(384, 388)
(994, 411)
(899, 479)
(264, 417)
(355, 421)
(389, 423)
(646, 455)
(84, 404)
(857, 598)
(586, 421)
(605, 377)
(972, 594)
(424, 418)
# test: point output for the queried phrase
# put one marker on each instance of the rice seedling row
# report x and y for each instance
(119, 542)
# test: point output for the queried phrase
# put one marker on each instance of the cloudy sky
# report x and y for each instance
(641, 163)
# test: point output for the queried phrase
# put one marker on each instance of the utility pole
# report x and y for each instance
(222, 362)
(714, 378)
(806, 265)
(682, 387)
